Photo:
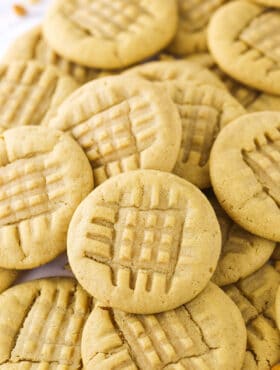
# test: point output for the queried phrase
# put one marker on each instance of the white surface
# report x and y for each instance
(11, 26)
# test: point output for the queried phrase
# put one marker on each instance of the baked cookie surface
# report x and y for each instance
(150, 240)
(7, 277)
(245, 173)
(44, 175)
(242, 253)
(32, 46)
(206, 333)
(31, 93)
(110, 34)
(41, 325)
(243, 38)
(204, 111)
(194, 16)
(255, 296)
(122, 124)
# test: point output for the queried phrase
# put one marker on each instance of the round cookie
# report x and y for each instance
(255, 296)
(277, 302)
(7, 277)
(243, 39)
(242, 253)
(110, 34)
(41, 325)
(122, 124)
(194, 16)
(44, 175)
(204, 111)
(172, 70)
(245, 172)
(150, 240)
(251, 99)
(32, 46)
(206, 333)
(31, 93)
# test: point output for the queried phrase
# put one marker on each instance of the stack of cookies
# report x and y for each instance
(144, 138)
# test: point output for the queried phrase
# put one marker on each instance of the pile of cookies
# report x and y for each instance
(144, 138)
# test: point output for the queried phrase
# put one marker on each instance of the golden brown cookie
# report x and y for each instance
(7, 277)
(41, 325)
(255, 296)
(32, 46)
(194, 16)
(110, 34)
(44, 175)
(251, 99)
(206, 333)
(245, 172)
(204, 111)
(276, 253)
(172, 70)
(277, 307)
(144, 242)
(274, 3)
(122, 124)
(243, 38)
(31, 93)
(242, 253)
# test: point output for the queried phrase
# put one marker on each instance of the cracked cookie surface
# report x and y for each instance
(44, 175)
(144, 242)
(110, 34)
(255, 296)
(242, 252)
(243, 37)
(208, 333)
(245, 172)
(122, 124)
(41, 325)
(30, 93)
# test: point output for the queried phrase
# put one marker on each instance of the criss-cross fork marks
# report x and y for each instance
(44, 54)
(200, 113)
(264, 161)
(26, 92)
(157, 341)
(263, 34)
(29, 188)
(195, 14)
(142, 244)
(114, 138)
(105, 19)
(52, 328)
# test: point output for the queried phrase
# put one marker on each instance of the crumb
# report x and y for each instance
(19, 10)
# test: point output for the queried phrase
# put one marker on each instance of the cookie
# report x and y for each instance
(172, 70)
(7, 277)
(32, 46)
(31, 93)
(206, 333)
(251, 99)
(44, 175)
(204, 110)
(243, 38)
(194, 16)
(242, 253)
(122, 124)
(150, 240)
(276, 253)
(245, 172)
(255, 296)
(274, 3)
(110, 34)
(41, 325)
